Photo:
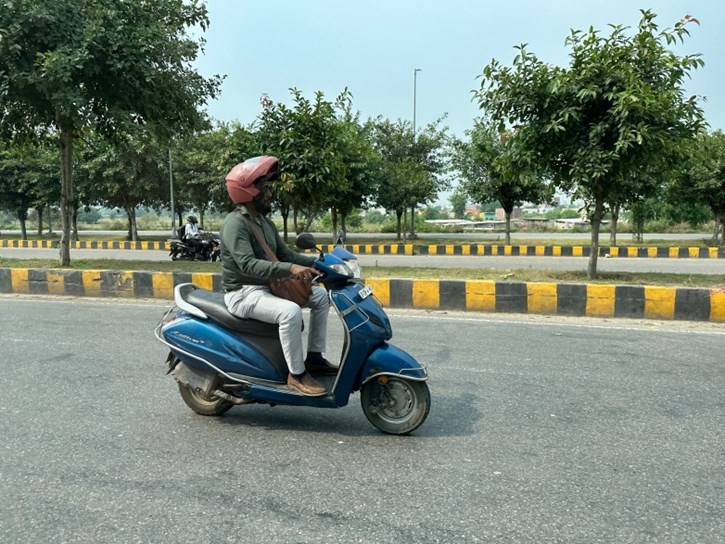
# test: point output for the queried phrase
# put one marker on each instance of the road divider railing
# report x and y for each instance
(568, 299)
(676, 252)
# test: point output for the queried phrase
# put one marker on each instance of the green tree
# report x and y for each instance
(412, 168)
(15, 195)
(28, 178)
(702, 180)
(67, 65)
(490, 171)
(44, 177)
(201, 161)
(617, 110)
(362, 169)
(458, 201)
(305, 139)
(124, 174)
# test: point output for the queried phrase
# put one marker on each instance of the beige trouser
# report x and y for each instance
(257, 302)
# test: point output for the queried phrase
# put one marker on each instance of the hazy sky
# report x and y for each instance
(372, 47)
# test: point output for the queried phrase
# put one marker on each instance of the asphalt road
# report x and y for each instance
(541, 430)
(368, 262)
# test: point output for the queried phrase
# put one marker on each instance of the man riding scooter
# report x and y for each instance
(246, 272)
(220, 360)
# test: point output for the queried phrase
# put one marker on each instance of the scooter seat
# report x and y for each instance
(212, 304)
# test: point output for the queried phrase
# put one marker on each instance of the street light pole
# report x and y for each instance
(415, 97)
(415, 92)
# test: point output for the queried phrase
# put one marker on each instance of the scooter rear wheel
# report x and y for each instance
(203, 405)
(395, 405)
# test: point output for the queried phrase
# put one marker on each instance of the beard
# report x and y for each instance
(263, 206)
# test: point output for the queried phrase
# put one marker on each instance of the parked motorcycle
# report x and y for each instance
(205, 248)
(221, 361)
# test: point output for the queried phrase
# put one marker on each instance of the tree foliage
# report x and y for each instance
(702, 179)
(413, 167)
(202, 160)
(67, 65)
(28, 178)
(619, 109)
(458, 201)
(490, 172)
(124, 174)
(305, 138)
(363, 172)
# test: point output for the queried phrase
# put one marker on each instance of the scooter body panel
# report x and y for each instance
(273, 395)
(224, 349)
(391, 360)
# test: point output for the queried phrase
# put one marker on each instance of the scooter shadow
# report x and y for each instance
(448, 417)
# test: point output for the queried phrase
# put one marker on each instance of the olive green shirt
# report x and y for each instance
(244, 262)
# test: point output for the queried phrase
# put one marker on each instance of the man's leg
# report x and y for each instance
(256, 302)
(319, 310)
(315, 362)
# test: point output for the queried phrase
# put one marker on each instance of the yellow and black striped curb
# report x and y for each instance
(96, 244)
(433, 249)
(593, 300)
(534, 250)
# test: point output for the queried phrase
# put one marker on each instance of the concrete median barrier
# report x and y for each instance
(593, 300)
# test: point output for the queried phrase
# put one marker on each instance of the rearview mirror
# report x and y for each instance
(305, 241)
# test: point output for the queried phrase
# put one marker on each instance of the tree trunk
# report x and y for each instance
(66, 192)
(23, 226)
(412, 221)
(50, 219)
(613, 227)
(285, 221)
(333, 215)
(399, 214)
(294, 221)
(722, 226)
(39, 210)
(343, 222)
(74, 234)
(596, 221)
(716, 232)
(507, 216)
(132, 228)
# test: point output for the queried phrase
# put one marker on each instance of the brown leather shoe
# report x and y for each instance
(323, 367)
(306, 385)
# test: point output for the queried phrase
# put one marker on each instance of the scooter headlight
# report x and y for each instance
(342, 269)
(355, 267)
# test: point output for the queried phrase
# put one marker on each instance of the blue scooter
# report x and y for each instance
(220, 360)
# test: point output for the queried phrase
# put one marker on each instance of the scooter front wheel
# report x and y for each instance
(395, 405)
(203, 405)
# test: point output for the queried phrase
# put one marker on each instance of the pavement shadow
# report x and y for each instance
(449, 416)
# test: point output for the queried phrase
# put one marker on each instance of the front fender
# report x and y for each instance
(387, 360)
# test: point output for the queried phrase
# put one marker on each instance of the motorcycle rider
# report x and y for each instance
(246, 272)
(190, 235)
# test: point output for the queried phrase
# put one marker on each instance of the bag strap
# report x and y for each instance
(260, 239)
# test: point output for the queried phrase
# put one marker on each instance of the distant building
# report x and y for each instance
(516, 213)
